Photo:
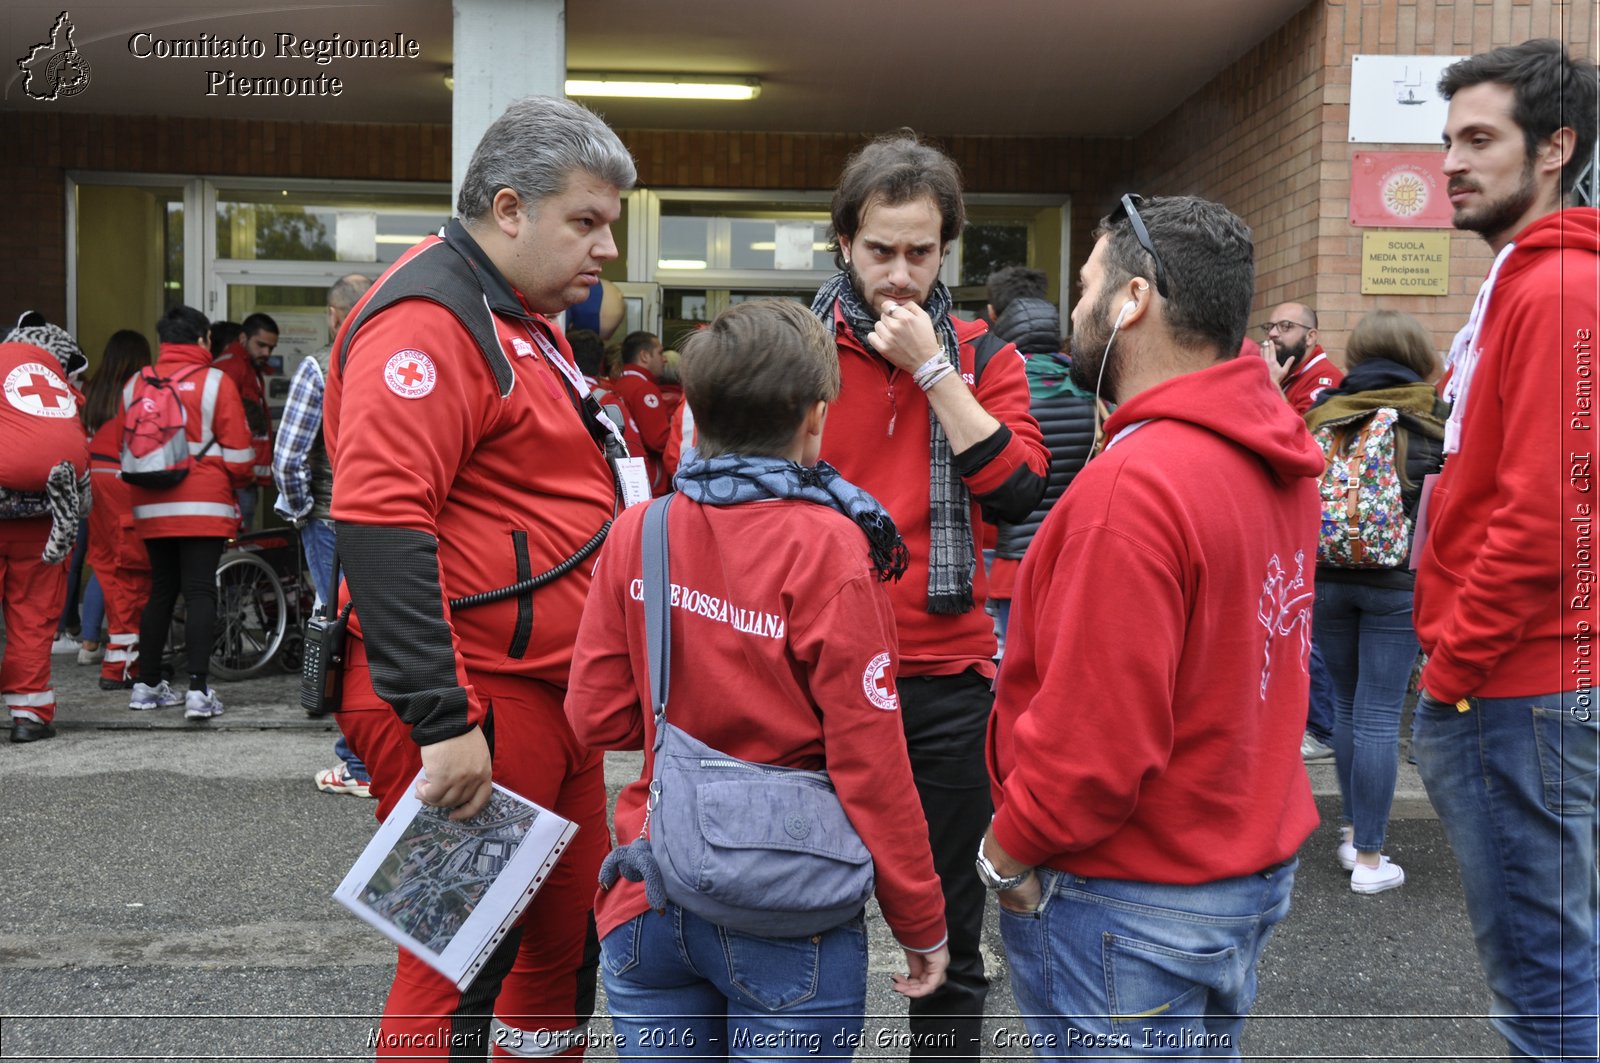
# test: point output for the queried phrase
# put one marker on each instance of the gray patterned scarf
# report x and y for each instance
(951, 560)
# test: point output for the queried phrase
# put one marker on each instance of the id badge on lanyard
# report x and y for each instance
(574, 378)
(630, 471)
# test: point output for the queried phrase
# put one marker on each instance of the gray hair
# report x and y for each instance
(534, 148)
(348, 290)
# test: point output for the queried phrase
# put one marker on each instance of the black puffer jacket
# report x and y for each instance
(1419, 440)
(1032, 324)
(1065, 412)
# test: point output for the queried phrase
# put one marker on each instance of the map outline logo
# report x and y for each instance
(55, 69)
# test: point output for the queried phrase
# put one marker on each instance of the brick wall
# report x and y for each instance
(1413, 27)
(33, 216)
(1269, 138)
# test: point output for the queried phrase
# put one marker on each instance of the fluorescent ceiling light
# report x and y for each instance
(680, 263)
(664, 86)
(772, 245)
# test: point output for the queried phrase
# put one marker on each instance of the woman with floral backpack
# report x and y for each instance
(1383, 433)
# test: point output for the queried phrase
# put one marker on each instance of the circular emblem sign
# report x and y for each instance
(35, 388)
(410, 374)
(878, 684)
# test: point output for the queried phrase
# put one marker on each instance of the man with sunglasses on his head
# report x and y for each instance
(932, 419)
(1149, 792)
(1297, 362)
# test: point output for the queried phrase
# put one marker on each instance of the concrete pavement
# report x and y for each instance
(168, 882)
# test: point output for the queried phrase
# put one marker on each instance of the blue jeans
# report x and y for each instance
(316, 542)
(1513, 781)
(246, 497)
(1367, 640)
(94, 609)
(1319, 706)
(70, 620)
(1142, 970)
(680, 987)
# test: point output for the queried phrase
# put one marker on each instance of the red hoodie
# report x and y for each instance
(1507, 571)
(1148, 718)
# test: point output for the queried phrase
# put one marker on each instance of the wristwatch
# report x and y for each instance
(993, 880)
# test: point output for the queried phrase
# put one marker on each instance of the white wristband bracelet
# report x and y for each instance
(927, 383)
(931, 371)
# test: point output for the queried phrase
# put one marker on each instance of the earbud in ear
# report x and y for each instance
(1127, 308)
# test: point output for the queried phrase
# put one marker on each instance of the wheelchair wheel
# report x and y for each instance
(252, 615)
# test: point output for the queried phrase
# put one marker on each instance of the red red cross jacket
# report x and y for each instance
(203, 503)
(38, 418)
(783, 652)
(447, 484)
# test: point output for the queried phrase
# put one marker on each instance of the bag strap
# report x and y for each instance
(657, 605)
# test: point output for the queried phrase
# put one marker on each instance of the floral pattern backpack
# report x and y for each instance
(1364, 522)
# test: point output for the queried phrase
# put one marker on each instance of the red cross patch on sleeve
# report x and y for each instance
(410, 374)
(878, 684)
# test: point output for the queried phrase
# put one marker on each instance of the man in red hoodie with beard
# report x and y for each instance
(1145, 746)
(1507, 734)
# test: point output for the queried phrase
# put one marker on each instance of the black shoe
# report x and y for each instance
(26, 730)
(115, 684)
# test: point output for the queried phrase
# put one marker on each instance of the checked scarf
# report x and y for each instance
(951, 560)
(734, 478)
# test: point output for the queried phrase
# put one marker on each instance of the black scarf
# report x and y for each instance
(951, 560)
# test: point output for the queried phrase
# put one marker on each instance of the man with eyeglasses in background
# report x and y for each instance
(1149, 796)
(1297, 362)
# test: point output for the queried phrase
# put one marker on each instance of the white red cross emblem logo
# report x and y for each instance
(35, 388)
(878, 684)
(410, 374)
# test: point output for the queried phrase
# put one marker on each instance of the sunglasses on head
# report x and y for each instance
(1129, 208)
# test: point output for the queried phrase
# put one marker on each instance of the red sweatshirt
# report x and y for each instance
(1147, 722)
(893, 467)
(1507, 568)
(783, 651)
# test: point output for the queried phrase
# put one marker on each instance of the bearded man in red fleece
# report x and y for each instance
(1145, 747)
(1507, 734)
(932, 419)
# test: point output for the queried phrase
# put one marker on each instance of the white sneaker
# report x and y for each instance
(94, 656)
(1386, 876)
(201, 705)
(64, 644)
(160, 696)
(1313, 750)
(1347, 855)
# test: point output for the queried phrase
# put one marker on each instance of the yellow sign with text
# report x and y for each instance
(1409, 262)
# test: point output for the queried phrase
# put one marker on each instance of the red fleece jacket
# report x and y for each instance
(1147, 722)
(1507, 570)
(877, 436)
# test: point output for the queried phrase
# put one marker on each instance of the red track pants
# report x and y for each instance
(540, 987)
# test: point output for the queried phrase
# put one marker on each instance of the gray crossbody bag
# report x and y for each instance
(752, 847)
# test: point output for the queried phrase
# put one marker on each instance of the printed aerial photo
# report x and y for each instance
(439, 870)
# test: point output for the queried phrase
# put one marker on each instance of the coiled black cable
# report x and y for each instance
(485, 597)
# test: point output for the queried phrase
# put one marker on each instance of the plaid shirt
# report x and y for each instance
(302, 420)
